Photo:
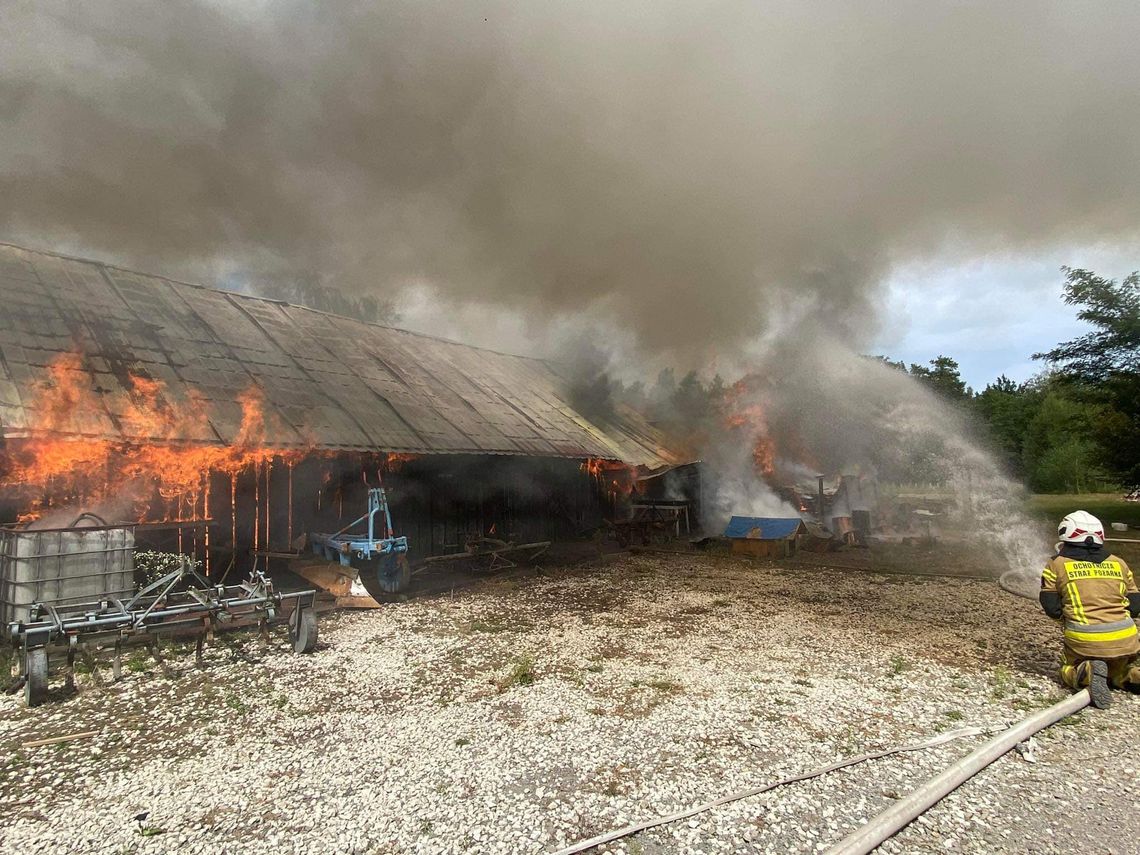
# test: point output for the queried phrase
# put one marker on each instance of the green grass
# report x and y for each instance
(1107, 507)
(899, 664)
(7, 659)
(999, 682)
(521, 673)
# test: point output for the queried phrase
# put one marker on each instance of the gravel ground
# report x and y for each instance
(532, 711)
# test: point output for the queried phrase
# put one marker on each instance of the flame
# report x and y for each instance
(615, 478)
(749, 420)
(394, 461)
(62, 460)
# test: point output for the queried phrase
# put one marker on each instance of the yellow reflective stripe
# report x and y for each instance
(1101, 636)
(1049, 575)
(1078, 607)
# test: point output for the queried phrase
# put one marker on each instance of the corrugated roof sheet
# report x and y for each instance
(331, 382)
(763, 528)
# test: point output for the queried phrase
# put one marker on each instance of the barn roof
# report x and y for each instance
(330, 382)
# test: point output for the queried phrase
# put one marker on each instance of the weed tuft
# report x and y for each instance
(1000, 682)
(521, 673)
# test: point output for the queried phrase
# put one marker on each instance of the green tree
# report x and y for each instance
(1006, 409)
(690, 401)
(309, 291)
(1059, 452)
(943, 376)
(718, 398)
(633, 394)
(887, 361)
(661, 396)
(1113, 309)
(1103, 365)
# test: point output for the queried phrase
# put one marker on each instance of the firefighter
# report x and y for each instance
(1095, 595)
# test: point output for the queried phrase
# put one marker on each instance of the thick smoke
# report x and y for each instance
(720, 183)
(843, 413)
(693, 169)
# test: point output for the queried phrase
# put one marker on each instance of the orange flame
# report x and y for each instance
(65, 461)
(750, 421)
(613, 476)
(394, 461)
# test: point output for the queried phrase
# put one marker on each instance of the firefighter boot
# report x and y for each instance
(1098, 683)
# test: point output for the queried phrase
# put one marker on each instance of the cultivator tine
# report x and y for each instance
(161, 660)
(35, 675)
(69, 669)
(92, 664)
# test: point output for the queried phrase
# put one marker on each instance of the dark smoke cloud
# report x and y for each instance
(692, 169)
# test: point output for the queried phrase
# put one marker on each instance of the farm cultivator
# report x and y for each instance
(67, 591)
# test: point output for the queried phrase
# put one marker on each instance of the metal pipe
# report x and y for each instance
(69, 554)
(906, 810)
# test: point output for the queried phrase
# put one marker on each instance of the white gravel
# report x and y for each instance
(405, 733)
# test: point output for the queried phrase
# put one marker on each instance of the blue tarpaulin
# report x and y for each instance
(763, 528)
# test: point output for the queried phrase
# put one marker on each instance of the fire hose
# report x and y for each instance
(902, 812)
(907, 809)
(1019, 583)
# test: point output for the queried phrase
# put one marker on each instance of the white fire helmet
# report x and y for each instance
(1079, 527)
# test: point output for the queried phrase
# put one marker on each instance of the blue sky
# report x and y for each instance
(990, 313)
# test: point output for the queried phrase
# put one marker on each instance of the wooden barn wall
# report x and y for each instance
(438, 502)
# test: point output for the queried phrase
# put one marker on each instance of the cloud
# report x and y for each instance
(687, 170)
(989, 313)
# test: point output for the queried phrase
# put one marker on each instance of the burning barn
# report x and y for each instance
(228, 426)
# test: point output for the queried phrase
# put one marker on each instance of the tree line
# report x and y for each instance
(1075, 427)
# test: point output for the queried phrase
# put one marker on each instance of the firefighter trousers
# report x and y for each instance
(1123, 671)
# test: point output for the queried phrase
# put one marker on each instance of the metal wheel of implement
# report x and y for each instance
(303, 631)
(36, 676)
(389, 574)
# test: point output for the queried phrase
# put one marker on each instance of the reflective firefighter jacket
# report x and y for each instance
(1094, 604)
